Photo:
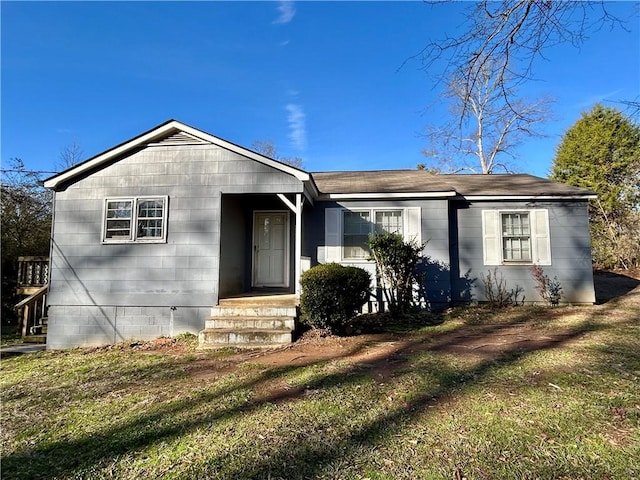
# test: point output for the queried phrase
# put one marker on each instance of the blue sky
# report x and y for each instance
(325, 81)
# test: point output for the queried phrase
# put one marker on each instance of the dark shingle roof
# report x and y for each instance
(419, 181)
(380, 181)
(511, 184)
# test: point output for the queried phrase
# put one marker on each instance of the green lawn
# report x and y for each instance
(564, 406)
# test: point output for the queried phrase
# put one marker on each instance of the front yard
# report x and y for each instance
(521, 393)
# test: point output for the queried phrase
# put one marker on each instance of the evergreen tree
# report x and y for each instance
(601, 152)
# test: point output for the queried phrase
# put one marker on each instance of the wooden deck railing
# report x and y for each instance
(31, 312)
(33, 273)
(33, 285)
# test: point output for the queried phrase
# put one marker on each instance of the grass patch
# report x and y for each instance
(430, 408)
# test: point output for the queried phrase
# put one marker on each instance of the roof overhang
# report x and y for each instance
(528, 197)
(384, 196)
(157, 133)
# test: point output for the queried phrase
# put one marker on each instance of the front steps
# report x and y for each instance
(250, 321)
(37, 333)
(38, 338)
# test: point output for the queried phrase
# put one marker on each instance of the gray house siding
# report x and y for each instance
(212, 190)
(570, 251)
(101, 293)
(434, 227)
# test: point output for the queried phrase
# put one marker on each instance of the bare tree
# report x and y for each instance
(70, 156)
(268, 149)
(631, 107)
(509, 36)
(25, 224)
(488, 121)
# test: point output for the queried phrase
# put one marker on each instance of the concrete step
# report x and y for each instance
(257, 300)
(251, 323)
(40, 328)
(253, 311)
(226, 337)
(40, 338)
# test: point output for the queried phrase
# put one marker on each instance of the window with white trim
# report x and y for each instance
(516, 237)
(346, 231)
(357, 227)
(389, 221)
(137, 219)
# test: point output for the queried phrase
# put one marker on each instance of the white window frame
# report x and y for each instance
(493, 239)
(332, 250)
(372, 220)
(133, 231)
(528, 236)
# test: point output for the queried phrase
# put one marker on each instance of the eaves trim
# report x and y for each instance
(383, 196)
(158, 132)
(589, 196)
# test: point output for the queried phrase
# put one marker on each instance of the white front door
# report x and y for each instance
(271, 249)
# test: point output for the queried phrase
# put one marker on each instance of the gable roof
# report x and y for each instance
(345, 184)
(419, 183)
(170, 132)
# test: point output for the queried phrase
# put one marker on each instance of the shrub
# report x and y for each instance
(496, 291)
(332, 294)
(396, 261)
(549, 290)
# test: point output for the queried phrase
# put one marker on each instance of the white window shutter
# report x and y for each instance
(413, 230)
(491, 237)
(541, 237)
(332, 240)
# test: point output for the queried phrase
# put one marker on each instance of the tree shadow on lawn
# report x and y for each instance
(294, 458)
(611, 285)
(102, 379)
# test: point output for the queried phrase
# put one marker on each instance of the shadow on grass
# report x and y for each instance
(295, 458)
(103, 376)
(612, 285)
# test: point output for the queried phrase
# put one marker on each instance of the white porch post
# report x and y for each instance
(297, 209)
(298, 246)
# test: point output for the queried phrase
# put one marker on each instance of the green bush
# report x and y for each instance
(396, 261)
(332, 294)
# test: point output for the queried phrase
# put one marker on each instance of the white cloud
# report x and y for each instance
(297, 126)
(599, 97)
(286, 10)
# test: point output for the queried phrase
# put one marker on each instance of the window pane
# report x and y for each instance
(356, 222)
(356, 230)
(120, 209)
(118, 224)
(389, 221)
(517, 248)
(515, 224)
(150, 208)
(150, 218)
(516, 237)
